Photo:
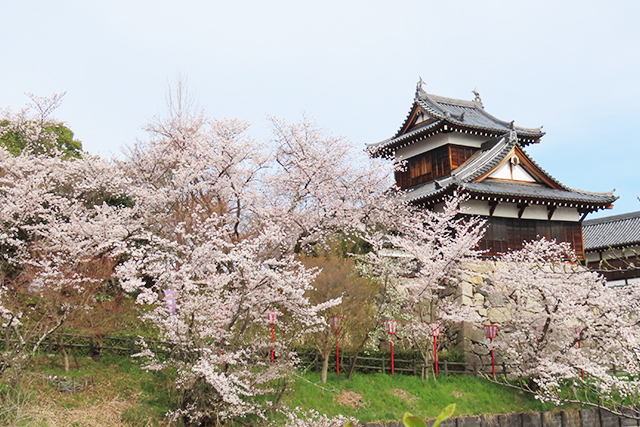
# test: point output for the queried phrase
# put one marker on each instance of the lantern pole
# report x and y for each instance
(435, 332)
(393, 328)
(578, 331)
(490, 331)
(336, 324)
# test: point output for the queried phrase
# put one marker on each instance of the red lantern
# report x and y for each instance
(491, 331)
(435, 332)
(272, 317)
(336, 324)
(393, 328)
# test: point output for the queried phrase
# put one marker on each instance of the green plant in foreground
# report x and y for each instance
(413, 421)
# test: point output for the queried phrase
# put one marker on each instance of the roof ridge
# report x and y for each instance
(454, 101)
(612, 218)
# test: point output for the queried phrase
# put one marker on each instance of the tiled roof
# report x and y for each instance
(453, 114)
(612, 231)
(487, 158)
(469, 114)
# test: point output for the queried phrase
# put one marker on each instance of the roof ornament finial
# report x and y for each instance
(511, 126)
(420, 86)
(477, 99)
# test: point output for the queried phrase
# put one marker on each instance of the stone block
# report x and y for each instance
(489, 421)
(607, 419)
(498, 315)
(478, 300)
(465, 300)
(496, 300)
(510, 420)
(450, 422)
(395, 424)
(628, 422)
(374, 424)
(532, 419)
(590, 417)
(477, 280)
(570, 419)
(465, 289)
(551, 419)
(469, 422)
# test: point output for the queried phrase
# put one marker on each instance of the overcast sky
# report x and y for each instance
(571, 66)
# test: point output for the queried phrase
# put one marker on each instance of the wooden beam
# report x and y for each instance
(522, 207)
(492, 207)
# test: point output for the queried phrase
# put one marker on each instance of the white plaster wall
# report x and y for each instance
(566, 214)
(592, 257)
(438, 141)
(506, 210)
(476, 207)
(510, 210)
(536, 212)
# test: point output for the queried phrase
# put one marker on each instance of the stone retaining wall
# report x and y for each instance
(575, 418)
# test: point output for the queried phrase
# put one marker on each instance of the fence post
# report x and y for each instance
(504, 369)
(49, 345)
(383, 364)
(415, 373)
(132, 346)
(446, 368)
(475, 370)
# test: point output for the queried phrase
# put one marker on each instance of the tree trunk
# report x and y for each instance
(354, 359)
(325, 367)
(66, 358)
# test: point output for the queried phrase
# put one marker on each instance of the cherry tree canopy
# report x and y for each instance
(565, 326)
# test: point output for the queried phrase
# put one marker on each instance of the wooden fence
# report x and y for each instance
(95, 346)
(417, 367)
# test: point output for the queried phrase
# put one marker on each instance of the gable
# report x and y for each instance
(517, 167)
(512, 171)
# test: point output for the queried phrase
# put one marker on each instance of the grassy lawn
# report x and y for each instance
(373, 397)
(117, 392)
(112, 392)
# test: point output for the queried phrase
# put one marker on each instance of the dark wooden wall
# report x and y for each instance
(504, 234)
(433, 164)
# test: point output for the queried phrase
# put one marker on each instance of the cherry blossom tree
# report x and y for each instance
(321, 185)
(565, 329)
(420, 262)
(64, 225)
(225, 217)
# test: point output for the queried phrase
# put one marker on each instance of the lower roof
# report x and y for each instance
(469, 178)
(614, 231)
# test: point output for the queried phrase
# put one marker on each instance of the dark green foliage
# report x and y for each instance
(15, 141)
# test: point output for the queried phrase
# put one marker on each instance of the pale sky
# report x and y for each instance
(571, 66)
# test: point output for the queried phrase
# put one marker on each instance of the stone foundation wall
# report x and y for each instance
(470, 339)
(576, 418)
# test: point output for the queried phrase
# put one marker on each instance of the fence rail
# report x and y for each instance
(417, 367)
(95, 346)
